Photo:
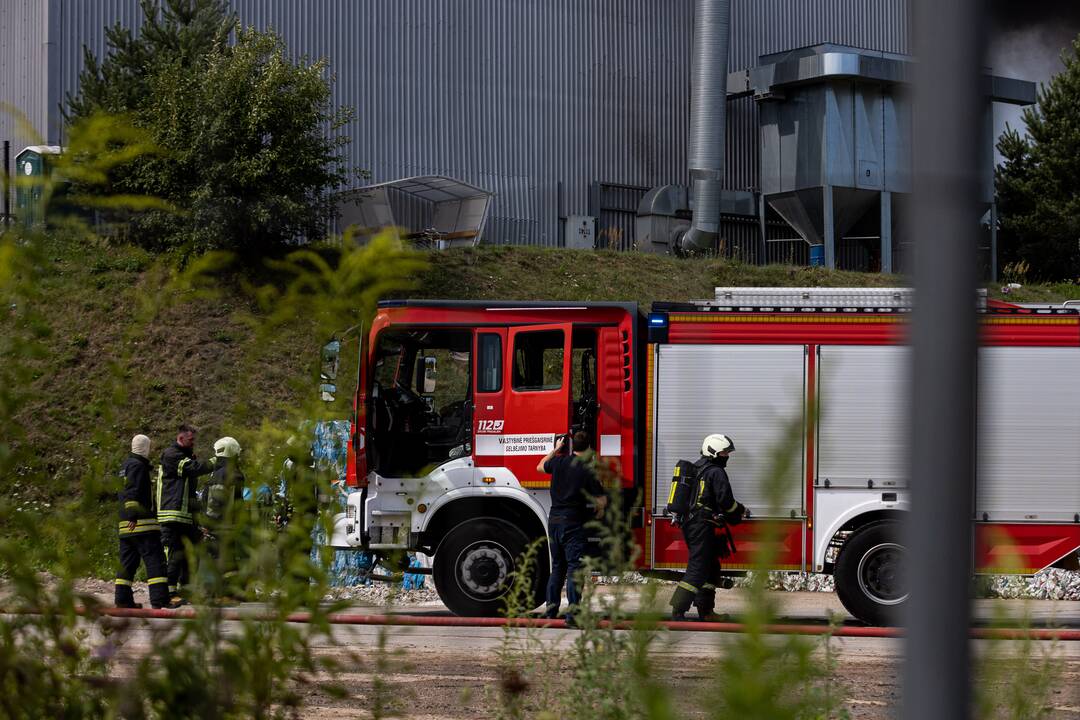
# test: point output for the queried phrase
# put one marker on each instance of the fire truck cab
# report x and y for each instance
(457, 401)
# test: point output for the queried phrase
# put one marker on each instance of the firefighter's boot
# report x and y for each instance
(176, 601)
(705, 602)
(159, 593)
(707, 613)
(682, 600)
(123, 596)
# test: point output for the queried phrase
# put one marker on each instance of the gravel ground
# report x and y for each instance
(376, 594)
(1049, 584)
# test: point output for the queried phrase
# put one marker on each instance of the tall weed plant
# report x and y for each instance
(615, 665)
(60, 655)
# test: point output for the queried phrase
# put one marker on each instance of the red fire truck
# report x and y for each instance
(457, 401)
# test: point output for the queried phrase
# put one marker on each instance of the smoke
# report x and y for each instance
(1028, 36)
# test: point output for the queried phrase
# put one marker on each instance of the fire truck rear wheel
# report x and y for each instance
(871, 574)
(475, 563)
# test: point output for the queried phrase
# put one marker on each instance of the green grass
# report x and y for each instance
(199, 362)
(520, 273)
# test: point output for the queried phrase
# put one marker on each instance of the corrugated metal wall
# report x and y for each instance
(83, 22)
(519, 98)
(22, 70)
(530, 99)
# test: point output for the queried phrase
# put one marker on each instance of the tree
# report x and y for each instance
(251, 153)
(1038, 184)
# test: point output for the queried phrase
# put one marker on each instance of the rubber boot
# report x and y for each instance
(680, 603)
(706, 613)
(705, 601)
(176, 601)
(159, 595)
(124, 597)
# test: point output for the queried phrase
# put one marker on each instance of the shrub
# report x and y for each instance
(249, 151)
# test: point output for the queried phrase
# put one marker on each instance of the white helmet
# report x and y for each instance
(227, 447)
(714, 445)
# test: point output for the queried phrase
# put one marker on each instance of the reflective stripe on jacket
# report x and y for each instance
(144, 525)
(176, 485)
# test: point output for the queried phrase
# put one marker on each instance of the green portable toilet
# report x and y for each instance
(32, 166)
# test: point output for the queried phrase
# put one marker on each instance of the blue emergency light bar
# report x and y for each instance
(658, 327)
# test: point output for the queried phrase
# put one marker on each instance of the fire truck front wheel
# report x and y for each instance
(871, 574)
(474, 566)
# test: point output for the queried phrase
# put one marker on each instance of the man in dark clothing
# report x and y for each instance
(573, 482)
(176, 505)
(140, 534)
(714, 509)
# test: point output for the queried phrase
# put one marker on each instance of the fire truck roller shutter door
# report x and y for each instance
(753, 392)
(1031, 397)
(864, 400)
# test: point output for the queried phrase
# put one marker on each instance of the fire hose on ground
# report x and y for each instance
(851, 631)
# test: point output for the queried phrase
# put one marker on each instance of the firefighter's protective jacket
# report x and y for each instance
(176, 500)
(136, 497)
(226, 486)
(716, 494)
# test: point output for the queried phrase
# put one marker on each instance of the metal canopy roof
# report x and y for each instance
(43, 149)
(433, 188)
(436, 210)
(829, 61)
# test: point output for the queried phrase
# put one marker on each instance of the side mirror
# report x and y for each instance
(331, 352)
(430, 367)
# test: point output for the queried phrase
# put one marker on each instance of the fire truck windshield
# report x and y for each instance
(421, 399)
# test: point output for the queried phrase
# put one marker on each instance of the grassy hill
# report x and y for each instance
(199, 361)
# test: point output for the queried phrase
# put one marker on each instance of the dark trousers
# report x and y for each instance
(142, 547)
(173, 536)
(227, 546)
(567, 544)
(698, 585)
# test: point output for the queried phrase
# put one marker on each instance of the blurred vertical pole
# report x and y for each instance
(7, 182)
(947, 134)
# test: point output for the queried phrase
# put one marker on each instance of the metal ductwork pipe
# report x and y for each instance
(708, 112)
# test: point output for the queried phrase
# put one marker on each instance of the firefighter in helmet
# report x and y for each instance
(140, 534)
(221, 499)
(712, 509)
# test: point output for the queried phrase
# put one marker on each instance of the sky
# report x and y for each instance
(1026, 40)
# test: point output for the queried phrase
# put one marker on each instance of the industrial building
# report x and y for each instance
(569, 113)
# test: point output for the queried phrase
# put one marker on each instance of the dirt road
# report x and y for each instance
(446, 672)
(430, 678)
